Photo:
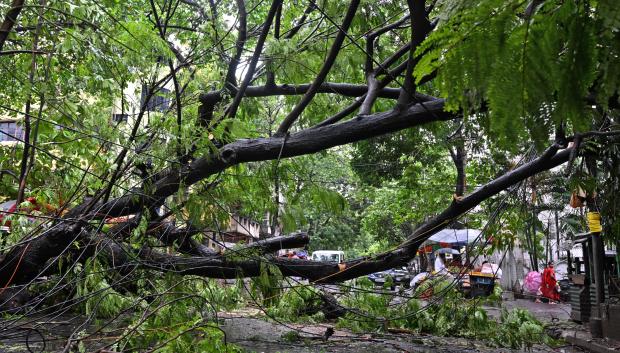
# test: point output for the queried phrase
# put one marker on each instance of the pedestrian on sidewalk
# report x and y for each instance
(549, 285)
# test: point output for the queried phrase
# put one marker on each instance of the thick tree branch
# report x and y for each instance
(266, 246)
(56, 239)
(232, 110)
(26, 262)
(320, 78)
(549, 159)
(210, 100)
(326, 272)
(420, 27)
(9, 20)
(182, 240)
(343, 89)
(261, 149)
(231, 81)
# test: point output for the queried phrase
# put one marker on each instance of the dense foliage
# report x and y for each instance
(144, 115)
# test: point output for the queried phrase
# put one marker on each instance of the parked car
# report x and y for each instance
(328, 256)
(400, 277)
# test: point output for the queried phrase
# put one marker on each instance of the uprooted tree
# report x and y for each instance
(249, 86)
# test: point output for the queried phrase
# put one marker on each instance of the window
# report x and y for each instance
(334, 258)
(10, 131)
(159, 102)
(118, 118)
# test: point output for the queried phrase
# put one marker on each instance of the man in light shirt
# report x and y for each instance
(440, 263)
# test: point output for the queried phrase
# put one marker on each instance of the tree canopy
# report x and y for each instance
(370, 125)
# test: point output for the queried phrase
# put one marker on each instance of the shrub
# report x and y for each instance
(301, 303)
(448, 314)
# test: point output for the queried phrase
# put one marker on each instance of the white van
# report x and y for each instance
(328, 256)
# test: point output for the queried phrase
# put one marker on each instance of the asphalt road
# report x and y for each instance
(258, 335)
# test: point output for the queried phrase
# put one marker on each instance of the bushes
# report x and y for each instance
(518, 328)
(298, 304)
(175, 326)
(181, 317)
(101, 299)
(446, 314)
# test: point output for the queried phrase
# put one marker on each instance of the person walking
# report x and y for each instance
(440, 263)
(548, 287)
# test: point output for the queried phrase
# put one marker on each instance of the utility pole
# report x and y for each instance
(548, 253)
(557, 238)
(534, 239)
(534, 219)
(598, 254)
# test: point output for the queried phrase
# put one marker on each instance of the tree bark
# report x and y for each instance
(9, 20)
(307, 141)
(327, 272)
(25, 262)
(325, 68)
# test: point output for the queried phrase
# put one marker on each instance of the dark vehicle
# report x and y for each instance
(400, 276)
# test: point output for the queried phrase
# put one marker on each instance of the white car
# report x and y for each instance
(328, 256)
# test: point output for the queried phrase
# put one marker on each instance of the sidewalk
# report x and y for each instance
(541, 311)
(557, 316)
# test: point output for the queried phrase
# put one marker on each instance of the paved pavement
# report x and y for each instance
(244, 328)
(542, 311)
(258, 335)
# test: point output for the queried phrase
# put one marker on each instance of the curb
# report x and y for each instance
(591, 346)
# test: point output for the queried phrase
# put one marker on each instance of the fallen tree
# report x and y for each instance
(323, 272)
(24, 263)
(297, 135)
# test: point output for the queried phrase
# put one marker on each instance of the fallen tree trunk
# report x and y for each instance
(322, 272)
(181, 239)
(304, 142)
(53, 242)
(295, 240)
(39, 250)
